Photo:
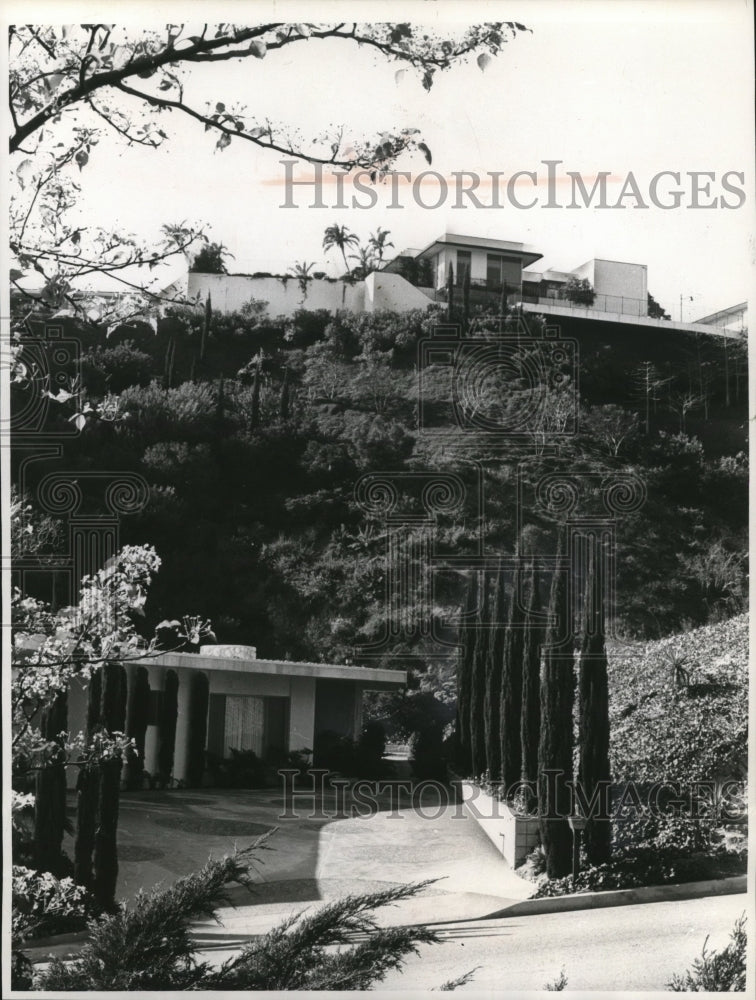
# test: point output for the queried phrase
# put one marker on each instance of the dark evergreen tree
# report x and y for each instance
(530, 722)
(112, 720)
(50, 792)
(593, 705)
(206, 320)
(450, 295)
(478, 687)
(510, 703)
(555, 746)
(495, 659)
(464, 681)
(254, 418)
(137, 715)
(87, 793)
(466, 301)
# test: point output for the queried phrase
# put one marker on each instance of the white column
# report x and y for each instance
(358, 693)
(301, 713)
(152, 733)
(181, 747)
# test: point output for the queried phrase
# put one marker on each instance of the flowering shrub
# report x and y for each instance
(51, 648)
(43, 904)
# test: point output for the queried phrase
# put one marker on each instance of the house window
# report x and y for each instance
(246, 722)
(244, 727)
(464, 263)
(503, 270)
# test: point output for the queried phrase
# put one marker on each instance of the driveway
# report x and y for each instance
(320, 853)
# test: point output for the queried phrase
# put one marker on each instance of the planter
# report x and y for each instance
(513, 835)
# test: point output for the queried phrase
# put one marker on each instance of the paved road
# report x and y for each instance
(619, 948)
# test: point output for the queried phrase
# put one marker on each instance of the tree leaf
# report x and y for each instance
(399, 75)
(483, 60)
(225, 140)
(24, 171)
(220, 107)
(425, 151)
(258, 48)
(82, 158)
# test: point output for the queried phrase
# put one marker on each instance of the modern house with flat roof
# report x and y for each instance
(416, 278)
(224, 698)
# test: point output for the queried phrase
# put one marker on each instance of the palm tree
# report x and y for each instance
(301, 271)
(379, 243)
(341, 237)
(365, 262)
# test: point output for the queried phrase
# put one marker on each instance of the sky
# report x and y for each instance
(612, 86)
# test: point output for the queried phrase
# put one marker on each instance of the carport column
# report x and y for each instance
(358, 699)
(156, 677)
(301, 713)
(181, 751)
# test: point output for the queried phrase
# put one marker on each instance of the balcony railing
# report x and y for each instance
(481, 288)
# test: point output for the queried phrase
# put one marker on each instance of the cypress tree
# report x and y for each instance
(478, 688)
(496, 641)
(205, 327)
(112, 720)
(450, 295)
(466, 301)
(86, 792)
(555, 745)
(511, 688)
(138, 712)
(254, 419)
(50, 791)
(530, 721)
(464, 675)
(593, 703)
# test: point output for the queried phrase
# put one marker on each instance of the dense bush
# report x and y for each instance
(150, 947)
(721, 971)
(44, 905)
(641, 866)
(427, 754)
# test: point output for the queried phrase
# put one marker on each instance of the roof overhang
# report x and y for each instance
(371, 678)
(526, 254)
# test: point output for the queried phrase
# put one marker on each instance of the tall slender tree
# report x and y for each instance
(511, 688)
(530, 723)
(466, 301)
(50, 791)
(478, 686)
(593, 714)
(555, 746)
(464, 679)
(341, 238)
(496, 642)
(450, 295)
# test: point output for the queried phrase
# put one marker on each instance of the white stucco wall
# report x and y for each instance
(615, 278)
(229, 292)
(384, 290)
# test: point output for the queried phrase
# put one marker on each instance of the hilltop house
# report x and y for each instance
(416, 278)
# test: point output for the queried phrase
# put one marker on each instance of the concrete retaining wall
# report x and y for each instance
(513, 835)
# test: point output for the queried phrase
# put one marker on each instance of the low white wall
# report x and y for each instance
(229, 292)
(384, 290)
(514, 836)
